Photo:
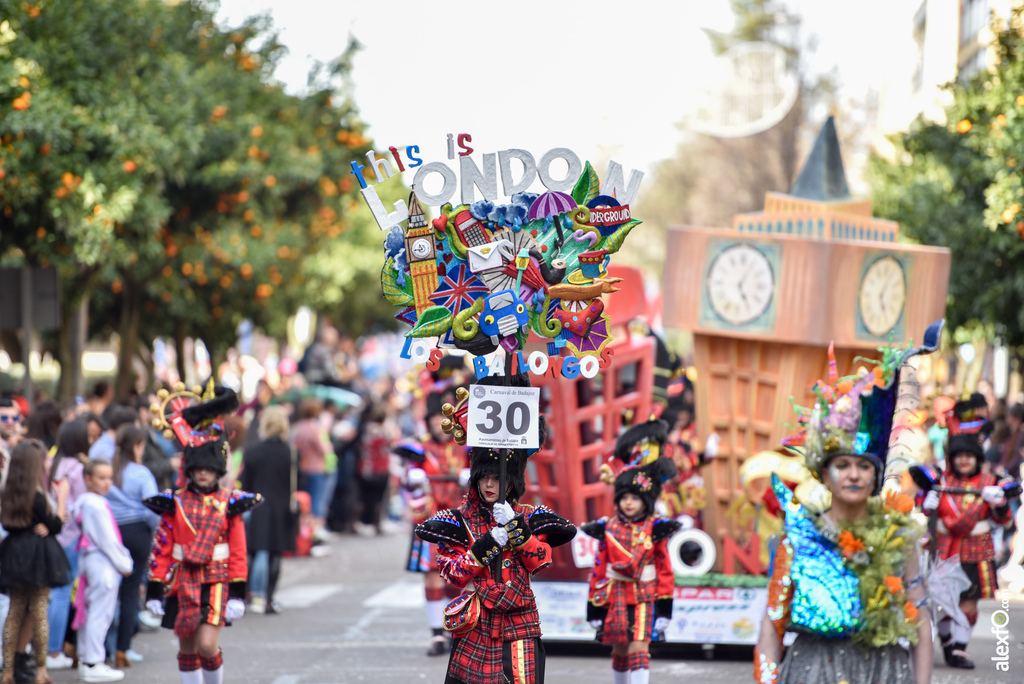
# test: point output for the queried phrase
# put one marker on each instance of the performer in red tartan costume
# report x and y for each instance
(435, 478)
(966, 520)
(199, 568)
(491, 549)
(632, 582)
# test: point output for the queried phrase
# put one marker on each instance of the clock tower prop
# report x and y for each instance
(420, 252)
(765, 298)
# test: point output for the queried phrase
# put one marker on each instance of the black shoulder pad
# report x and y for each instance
(556, 529)
(240, 502)
(446, 526)
(595, 528)
(664, 528)
(162, 503)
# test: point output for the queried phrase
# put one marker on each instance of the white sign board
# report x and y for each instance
(503, 417)
(700, 615)
(584, 549)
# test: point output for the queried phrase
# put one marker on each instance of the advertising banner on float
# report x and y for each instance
(700, 615)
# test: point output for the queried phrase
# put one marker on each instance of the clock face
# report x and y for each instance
(740, 284)
(883, 294)
(421, 248)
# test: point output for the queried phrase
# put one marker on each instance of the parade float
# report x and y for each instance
(522, 281)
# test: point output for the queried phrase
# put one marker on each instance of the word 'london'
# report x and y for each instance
(485, 179)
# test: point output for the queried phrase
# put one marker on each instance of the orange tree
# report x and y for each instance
(151, 157)
(958, 184)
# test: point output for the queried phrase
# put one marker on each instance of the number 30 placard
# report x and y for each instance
(503, 417)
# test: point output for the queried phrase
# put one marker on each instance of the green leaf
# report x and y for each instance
(393, 292)
(588, 186)
(432, 322)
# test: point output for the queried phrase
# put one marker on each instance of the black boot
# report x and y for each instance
(24, 668)
(947, 651)
(958, 657)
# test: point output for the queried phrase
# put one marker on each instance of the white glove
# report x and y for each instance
(596, 624)
(711, 446)
(931, 501)
(234, 610)
(500, 535)
(503, 513)
(155, 606)
(994, 495)
(464, 478)
(661, 624)
(415, 477)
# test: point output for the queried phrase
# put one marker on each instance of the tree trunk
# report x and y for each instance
(180, 331)
(70, 345)
(131, 316)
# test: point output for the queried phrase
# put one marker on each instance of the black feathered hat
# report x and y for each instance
(484, 461)
(212, 408)
(208, 445)
(645, 481)
(642, 443)
(212, 455)
(967, 422)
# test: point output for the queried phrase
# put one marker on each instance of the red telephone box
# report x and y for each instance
(585, 416)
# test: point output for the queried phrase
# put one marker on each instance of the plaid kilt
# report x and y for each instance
(212, 600)
(983, 580)
(625, 623)
(476, 659)
(421, 556)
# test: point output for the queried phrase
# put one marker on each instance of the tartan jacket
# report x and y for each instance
(467, 553)
(626, 547)
(193, 526)
(959, 513)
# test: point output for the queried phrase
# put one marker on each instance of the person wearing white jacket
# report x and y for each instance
(104, 560)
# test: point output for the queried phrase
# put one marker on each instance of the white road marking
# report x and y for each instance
(365, 621)
(401, 594)
(287, 679)
(341, 644)
(305, 595)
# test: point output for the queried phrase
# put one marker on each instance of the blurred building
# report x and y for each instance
(933, 42)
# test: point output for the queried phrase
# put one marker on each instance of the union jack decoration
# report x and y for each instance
(457, 290)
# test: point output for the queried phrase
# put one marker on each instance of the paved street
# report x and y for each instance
(348, 619)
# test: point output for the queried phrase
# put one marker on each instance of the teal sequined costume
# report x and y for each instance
(825, 610)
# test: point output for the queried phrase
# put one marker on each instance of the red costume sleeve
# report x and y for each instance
(238, 561)
(457, 565)
(163, 548)
(534, 554)
(599, 572)
(666, 575)
(960, 523)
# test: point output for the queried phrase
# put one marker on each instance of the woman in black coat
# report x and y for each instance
(269, 468)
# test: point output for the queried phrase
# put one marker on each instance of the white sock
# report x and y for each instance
(639, 676)
(435, 614)
(620, 677)
(193, 677)
(962, 635)
(946, 629)
(213, 676)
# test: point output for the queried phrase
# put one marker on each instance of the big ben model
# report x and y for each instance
(765, 298)
(421, 253)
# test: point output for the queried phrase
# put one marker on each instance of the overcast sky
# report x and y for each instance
(605, 79)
